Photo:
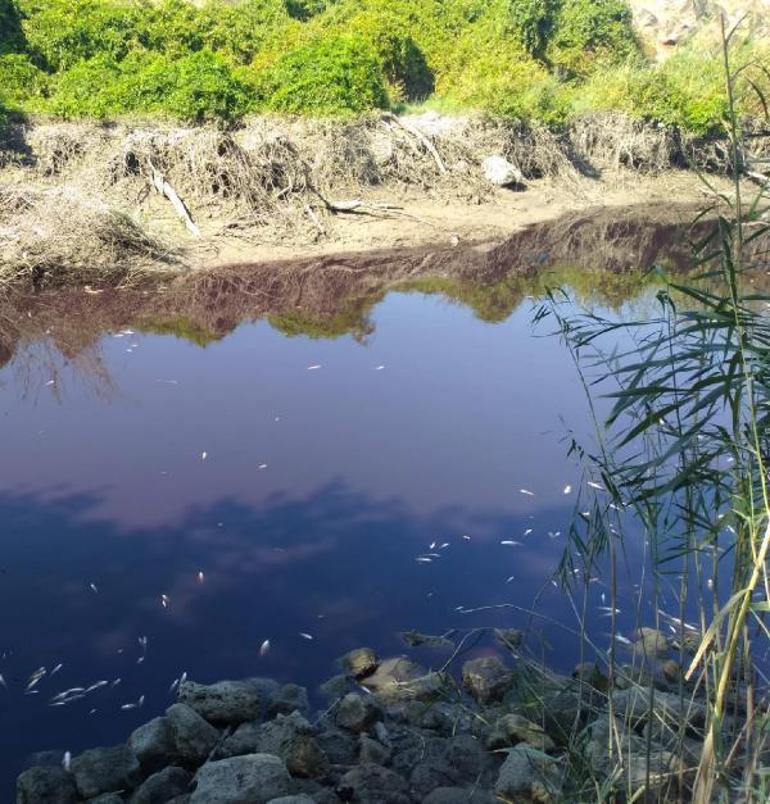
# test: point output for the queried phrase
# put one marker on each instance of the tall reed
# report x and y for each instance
(682, 422)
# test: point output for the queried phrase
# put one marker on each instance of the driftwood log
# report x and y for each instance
(166, 189)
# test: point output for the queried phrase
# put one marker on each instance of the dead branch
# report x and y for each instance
(161, 184)
(389, 117)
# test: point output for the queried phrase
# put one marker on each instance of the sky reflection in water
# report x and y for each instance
(365, 467)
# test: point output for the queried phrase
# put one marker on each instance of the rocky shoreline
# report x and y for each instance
(394, 732)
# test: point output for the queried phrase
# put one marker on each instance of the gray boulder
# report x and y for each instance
(244, 740)
(46, 785)
(105, 770)
(339, 746)
(292, 738)
(459, 795)
(110, 798)
(300, 799)
(254, 778)
(448, 718)
(228, 702)
(152, 744)
(501, 172)
(360, 662)
(192, 737)
(528, 775)
(162, 786)
(487, 678)
(372, 751)
(427, 776)
(371, 783)
(513, 729)
(289, 698)
(357, 713)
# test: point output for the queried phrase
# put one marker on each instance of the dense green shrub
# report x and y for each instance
(195, 88)
(21, 82)
(532, 22)
(589, 31)
(332, 76)
(11, 35)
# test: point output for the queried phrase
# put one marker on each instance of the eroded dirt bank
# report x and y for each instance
(84, 203)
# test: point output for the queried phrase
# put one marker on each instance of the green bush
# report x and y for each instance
(11, 34)
(532, 22)
(60, 33)
(333, 76)
(195, 88)
(21, 82)
(590, 31)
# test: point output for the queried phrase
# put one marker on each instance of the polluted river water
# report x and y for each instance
(260, 501)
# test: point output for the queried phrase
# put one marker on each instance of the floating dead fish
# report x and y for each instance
(2, 681)
(164, 601)
(116, 682)
(424, 559)
(554, 534)
(510, 543)
(264, 648)
(56, 669)
(200, 576)
(93, 588)
(527, 531)
(305, 636)
(466, 537)
(174, 685)
(380, 368)
(597, 486)
(567, 489)
(66, 760)
(527, 492)
(96, 686)
(34, 679)
(51, 382)
(262, 467)
(444, 546)
(204, 455)
(432, 546)
(314, 367)
(183, 677)
(509, 578)
(32, 692)
(136, 705)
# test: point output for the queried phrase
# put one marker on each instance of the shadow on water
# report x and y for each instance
(328, 565)
(603, 255)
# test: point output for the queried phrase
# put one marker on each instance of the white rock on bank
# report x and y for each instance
(500, 172)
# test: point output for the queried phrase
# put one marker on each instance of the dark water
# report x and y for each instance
(319, 490)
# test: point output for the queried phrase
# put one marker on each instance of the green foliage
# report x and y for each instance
(195, 88)
(331, 76)
(532, 22)
(21, 82)
(11, 35)
(587, 31)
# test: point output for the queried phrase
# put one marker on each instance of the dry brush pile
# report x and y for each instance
(80, 202)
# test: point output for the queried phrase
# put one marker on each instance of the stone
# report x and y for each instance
(253, 778)
(227, 702)
(459, 795)
(339, 746)
(301, 799)
(110, 798)
(360, 662)
(163, 786)
(105, 770)
(487, 678)
(289, 698)
(192, 737)
(649, 642)
(244, 740)
(467, 758)
(46, 785)
(633, 705)
(337, 686)
(356, 713)
(372, 751)
(427, 776)
(373, 783)
(513, 729)
(292, 738)
(400, 679)
(151, 744)
(447, 718)
(501, 172)
(672, 670)
(527, 775)
(413, 746)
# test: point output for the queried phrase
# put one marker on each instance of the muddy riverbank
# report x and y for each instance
(99, 204)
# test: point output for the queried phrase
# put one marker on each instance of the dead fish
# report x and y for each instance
(264, 648)
(567, 489)
(527, 531)
(116, 682)
(509, 579)
(444, 546)
(262, 467)
(432, 546)
(204, 455)
(510, 543)
(597, 486)
(305, 636)
(35, 678)
(174, 685)
(2, 681)
(466, 537)
(56, 669)
(164, 601)
(183, 678)
(527, 492)
(66, 760)
(424, 559)
(98, 685)
(314, 367)
(92, 587)
(380, 368)
(200, 577)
